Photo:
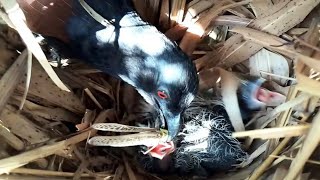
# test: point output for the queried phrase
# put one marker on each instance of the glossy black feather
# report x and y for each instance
(136, 52)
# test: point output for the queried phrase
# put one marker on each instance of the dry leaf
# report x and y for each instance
(12, 78)
(17, 18)
(10, 138)
(261, 8)
(22, 126)
(194, 9)
(270, 62)
(42, 86)
(51, 113)
(284, 19)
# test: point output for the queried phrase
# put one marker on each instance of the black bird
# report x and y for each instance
(205, 144)
(136, 52)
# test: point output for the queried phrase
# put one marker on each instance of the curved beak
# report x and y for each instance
(173, 125)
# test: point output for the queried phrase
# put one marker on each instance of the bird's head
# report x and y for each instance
(168, 82)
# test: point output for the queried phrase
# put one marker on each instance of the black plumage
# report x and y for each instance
(136, 52)
(204, 145)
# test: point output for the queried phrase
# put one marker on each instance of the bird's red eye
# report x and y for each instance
(162, 95)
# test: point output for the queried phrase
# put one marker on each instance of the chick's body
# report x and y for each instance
(204, 146)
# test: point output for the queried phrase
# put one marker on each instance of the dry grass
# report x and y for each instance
(36, 115)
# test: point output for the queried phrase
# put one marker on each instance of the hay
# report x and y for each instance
(39, 117)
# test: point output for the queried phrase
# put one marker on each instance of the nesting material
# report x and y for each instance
(47, 109)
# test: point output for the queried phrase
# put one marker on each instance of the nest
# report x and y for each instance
(44, 123)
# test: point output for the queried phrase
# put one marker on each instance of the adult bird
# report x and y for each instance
(114, 39)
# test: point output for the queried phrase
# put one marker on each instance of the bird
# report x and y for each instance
(254, 93)
(130, 49)
(205, 145)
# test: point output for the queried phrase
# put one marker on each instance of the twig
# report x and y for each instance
(7, 164)
(10, 163)
(279, 76)
(290, 103)
(267, 162)
(84, 164)
(310, 143)
(290, 158)
(128, 168)
(38, 172)
(304, 43)
(87, 82)
(93, 98)
(278, 132)
(119, 172)
(261, 149)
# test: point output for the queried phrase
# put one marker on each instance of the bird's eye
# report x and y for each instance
(162, 95)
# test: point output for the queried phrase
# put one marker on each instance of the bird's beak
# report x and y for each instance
(173, 124)
(173, 121)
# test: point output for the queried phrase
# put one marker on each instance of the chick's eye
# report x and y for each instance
(162, 95)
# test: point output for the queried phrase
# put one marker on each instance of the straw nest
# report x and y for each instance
(46, 109)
